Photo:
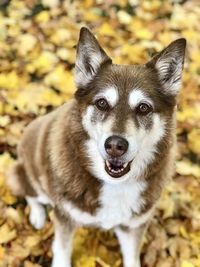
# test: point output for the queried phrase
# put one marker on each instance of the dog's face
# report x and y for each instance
(127, 111)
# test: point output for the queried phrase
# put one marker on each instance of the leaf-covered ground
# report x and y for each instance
(37, 53)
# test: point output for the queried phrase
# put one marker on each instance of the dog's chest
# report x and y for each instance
(118, 204)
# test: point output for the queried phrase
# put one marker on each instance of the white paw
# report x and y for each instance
(57, 262)
(137, 264)
(61, 257)
(132, 264)
(37, 216)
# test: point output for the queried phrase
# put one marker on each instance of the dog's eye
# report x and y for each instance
(102, 104)
(144, 109)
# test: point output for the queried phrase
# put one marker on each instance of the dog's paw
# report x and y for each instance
(59, 263)
(61, 256)
(133, 264)
(37, 216)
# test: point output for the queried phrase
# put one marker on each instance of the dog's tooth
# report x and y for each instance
(125, 165)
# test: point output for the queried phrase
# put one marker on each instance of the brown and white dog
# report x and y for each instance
(103, 158)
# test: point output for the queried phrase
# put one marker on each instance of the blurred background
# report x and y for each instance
(37, 54)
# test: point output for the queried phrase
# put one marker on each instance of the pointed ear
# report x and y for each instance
(89, 59)
(169, 65)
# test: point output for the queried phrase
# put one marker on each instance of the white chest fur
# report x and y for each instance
(118, 204)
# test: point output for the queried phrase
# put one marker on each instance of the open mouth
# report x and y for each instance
(116, 168)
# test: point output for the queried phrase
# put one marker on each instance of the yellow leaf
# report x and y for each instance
(189, 114)
(2, 179)
(182, 19)
(195, 237)
(183, 232)
(151, 5)
(194, 141)
(192, 35)
(63, 53)
(165, 38)
(107, 29)
(5, 161)
(124, 17)
(197, 261)
(8, 198)
(19, 251)
(48, 97)
(134, 52)
(30, 264)
(187, 264)
(14, 215)
(12, 80)
(6, 234)
(102, 263)
(88, 3)
(90, 16)
(187, 168)
(144, 34)
(4, 120)
(26, 43)
(86, 261)
(61, 79)
(28, 98)
(51, 4)
(2, 252)
(32, 241)
(43, 17)
(1, 108)
(167, 206)
(45, 62)
(61, 36)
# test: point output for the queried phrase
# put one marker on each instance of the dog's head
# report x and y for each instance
(126, 110)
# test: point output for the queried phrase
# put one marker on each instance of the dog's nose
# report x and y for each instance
(116, 146)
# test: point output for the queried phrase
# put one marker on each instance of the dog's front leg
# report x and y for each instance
(130, 243)
(62, 244)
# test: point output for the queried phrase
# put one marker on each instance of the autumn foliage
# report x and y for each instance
(37, 53)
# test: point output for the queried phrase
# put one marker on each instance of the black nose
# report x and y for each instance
(116, 146)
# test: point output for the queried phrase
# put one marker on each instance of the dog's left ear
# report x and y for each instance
(90, 57)
(169, 65)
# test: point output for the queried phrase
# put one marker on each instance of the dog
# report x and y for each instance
(103, 158)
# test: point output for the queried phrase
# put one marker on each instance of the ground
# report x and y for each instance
(37, 52)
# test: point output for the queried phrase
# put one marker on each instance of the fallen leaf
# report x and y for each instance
(6, 234)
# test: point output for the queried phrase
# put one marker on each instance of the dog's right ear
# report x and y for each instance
(90, 57)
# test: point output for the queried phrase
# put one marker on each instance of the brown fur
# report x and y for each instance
(19, 182)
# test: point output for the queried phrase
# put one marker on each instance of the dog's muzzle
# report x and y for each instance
(116, 147)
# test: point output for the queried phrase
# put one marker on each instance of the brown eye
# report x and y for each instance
(102, 104)
(144, 109)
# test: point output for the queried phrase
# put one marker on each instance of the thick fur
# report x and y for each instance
(61, 157)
